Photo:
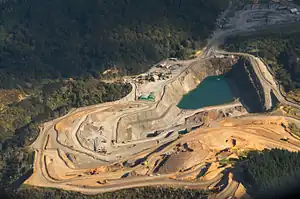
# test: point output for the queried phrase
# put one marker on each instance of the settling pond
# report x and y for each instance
(213, 90)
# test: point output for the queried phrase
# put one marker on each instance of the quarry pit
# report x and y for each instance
(145, 139)
(135, 142)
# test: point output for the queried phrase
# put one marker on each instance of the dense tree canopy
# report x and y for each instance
(57, 38)
(140, 193)
(281, 53)
(272, 173)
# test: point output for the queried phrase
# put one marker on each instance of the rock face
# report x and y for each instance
(250, 91)
(214, 115)
(257, 85)
(165, 113)
(115, 130)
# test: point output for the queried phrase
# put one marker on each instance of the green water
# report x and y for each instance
(213, 90)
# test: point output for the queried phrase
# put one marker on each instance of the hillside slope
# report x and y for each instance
(72, 37)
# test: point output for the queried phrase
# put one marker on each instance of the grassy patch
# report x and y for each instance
(294, 129)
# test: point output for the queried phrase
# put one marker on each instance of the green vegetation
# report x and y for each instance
(290, 110)
(280, 52)
(54, 99)
(41, 40)
(147, 192)
(294, 129)
(228, 161)
(44, 43)
(272, 173)
(19, 122)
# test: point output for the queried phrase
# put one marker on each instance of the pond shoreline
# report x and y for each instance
(213, 90)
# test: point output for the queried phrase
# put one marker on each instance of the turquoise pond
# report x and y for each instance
(213, 90)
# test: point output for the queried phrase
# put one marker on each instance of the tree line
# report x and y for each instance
(280, 52)
(56, 38)
(44, 43)
(19, 122)
(272, 173)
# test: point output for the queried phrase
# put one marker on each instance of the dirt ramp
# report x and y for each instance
(166, 112)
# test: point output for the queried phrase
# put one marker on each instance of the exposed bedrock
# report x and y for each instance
(165, 113)
(249, 88)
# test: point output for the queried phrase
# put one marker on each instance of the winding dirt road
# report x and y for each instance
(125, 155)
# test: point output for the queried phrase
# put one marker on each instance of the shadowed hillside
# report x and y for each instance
(71, 38)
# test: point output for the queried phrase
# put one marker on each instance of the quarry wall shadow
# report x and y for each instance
(244, 85)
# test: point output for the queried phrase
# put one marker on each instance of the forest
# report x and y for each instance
(54, 54)
(280, 51)
(54, 99)
(72, 38)
(272, 173)
(19, 121)
(140, 193)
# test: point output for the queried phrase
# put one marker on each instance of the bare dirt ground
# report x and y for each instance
(168, 164)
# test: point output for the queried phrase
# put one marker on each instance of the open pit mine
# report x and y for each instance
(149, 141)
(144, 139)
